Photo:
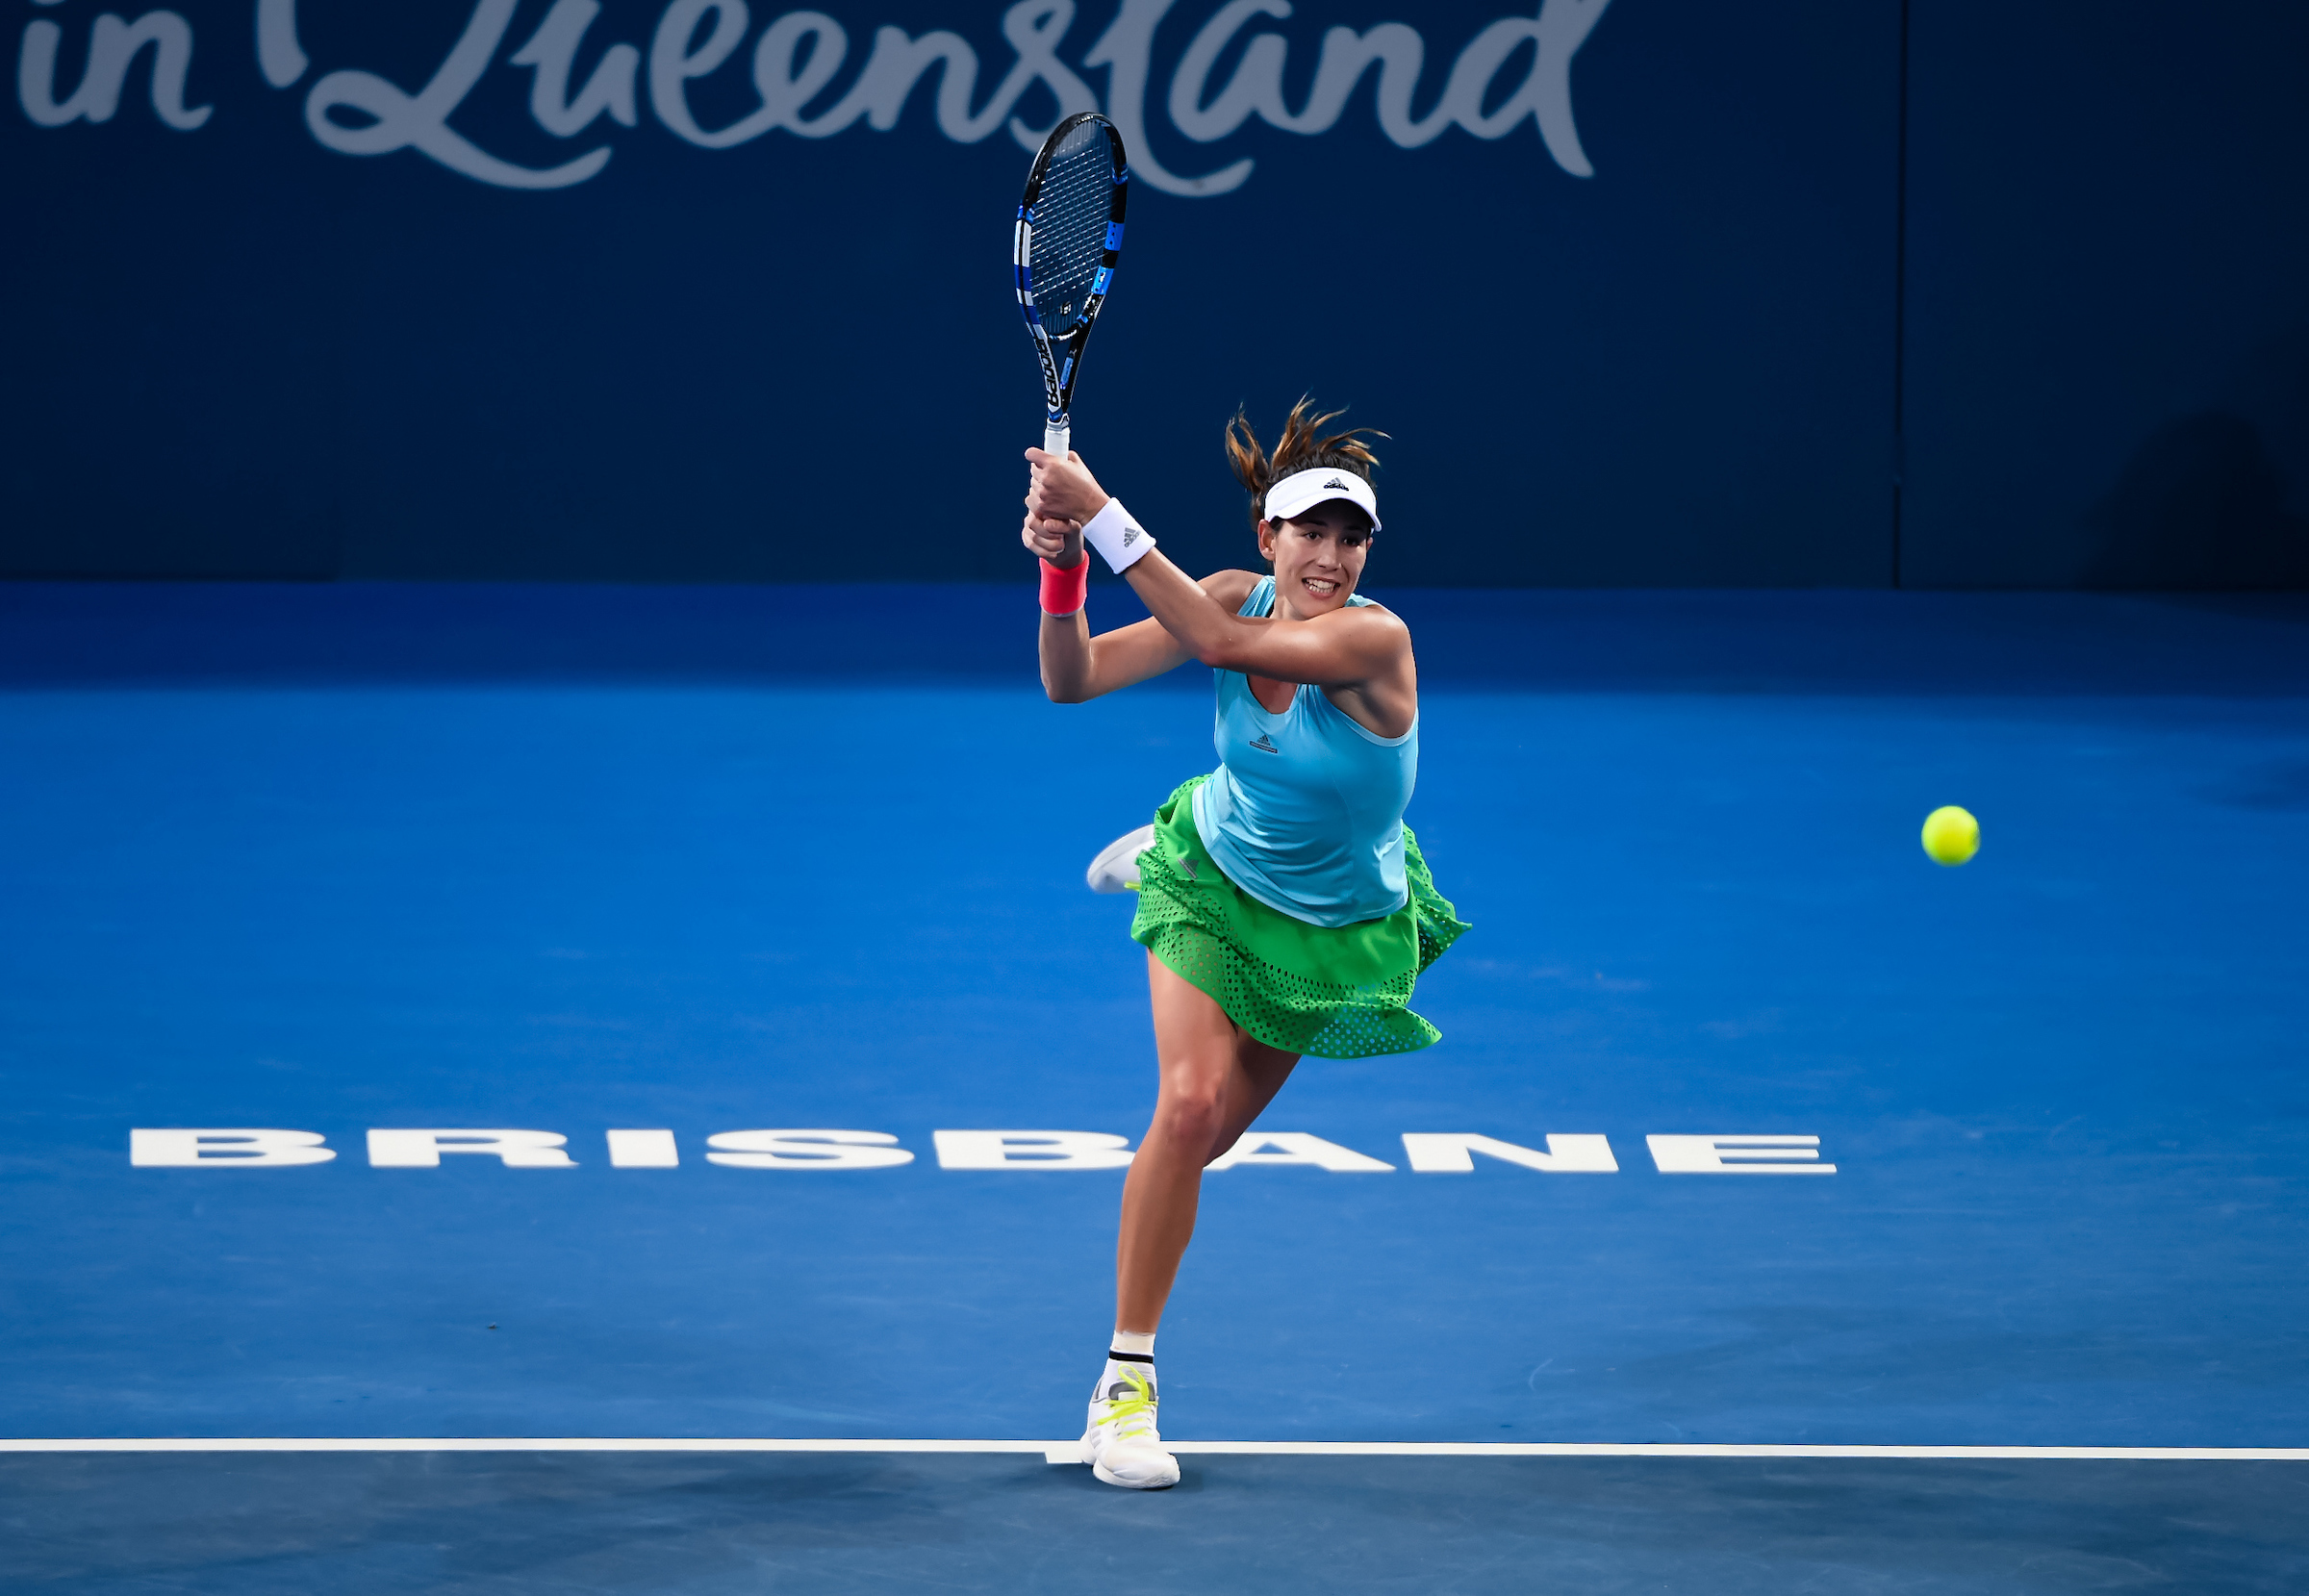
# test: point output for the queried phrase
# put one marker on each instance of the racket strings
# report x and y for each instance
(1070, 228)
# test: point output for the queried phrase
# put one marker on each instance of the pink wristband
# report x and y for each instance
(1063, 592)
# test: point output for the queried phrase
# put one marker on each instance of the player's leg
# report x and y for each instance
(1266, 1068)
(1214, 1081)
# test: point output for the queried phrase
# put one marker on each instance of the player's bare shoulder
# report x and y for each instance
(1380, 633)
(1229, 588)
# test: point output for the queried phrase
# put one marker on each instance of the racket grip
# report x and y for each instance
(1054, 441)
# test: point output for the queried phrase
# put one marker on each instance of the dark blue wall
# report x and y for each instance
(2108, 294)
(236, 351)
(1658, 349)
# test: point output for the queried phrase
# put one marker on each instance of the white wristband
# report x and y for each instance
(1119, 540)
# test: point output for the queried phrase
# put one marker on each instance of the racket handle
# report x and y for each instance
(1054, 441)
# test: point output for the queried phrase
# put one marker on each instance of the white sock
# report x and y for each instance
(1128, 1344)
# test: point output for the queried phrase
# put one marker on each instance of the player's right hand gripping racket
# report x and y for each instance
(1070, 231)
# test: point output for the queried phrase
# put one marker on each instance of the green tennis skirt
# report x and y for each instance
(1334, 992)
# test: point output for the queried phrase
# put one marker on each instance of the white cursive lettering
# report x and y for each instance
(1127, 49)
(421, 122)
(672, 63)
(799, 54)
(1257, 82)
(676, 58)
(279, 56)
(897, 63)
(1347, 55)
(1034, 31)
(1257, 87)
(554, 51)
(787, 82)
(113, 47)
(1563, 26)
(798, 63)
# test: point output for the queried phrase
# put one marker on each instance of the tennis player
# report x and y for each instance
(1283, 905)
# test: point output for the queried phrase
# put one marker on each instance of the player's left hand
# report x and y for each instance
(1059, 541)
(1062, 490)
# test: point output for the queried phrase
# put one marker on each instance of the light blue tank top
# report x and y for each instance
(1304, 812)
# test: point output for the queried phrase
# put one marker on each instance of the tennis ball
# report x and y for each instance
(1951, 835)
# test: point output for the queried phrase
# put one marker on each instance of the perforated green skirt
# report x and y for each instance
(1333, 991)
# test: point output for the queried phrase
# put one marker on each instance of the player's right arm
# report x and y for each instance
(1078, 667)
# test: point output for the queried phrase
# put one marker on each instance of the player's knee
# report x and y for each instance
(1192, 1112)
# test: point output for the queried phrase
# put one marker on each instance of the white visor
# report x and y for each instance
(1302, 491)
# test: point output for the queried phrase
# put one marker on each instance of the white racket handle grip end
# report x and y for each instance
(1054, 441)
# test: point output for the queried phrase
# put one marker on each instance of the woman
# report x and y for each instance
(1283, 905)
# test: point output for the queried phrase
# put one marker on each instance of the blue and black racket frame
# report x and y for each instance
(1070, 235)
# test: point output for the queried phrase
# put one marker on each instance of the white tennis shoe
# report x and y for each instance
(1116, 868)
(1122, 1445)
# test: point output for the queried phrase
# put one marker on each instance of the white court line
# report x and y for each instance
(1069, 1452)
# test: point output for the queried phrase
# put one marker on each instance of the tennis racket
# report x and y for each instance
(1070, 231)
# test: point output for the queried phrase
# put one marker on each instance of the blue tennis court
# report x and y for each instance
(562, 862)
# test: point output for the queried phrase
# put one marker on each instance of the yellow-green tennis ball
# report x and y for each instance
(1951, 835)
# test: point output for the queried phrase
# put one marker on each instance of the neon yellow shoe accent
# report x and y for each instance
(1122, 1445)
(1139, 1406)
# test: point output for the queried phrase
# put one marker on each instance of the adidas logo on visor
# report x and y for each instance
(1302, 491)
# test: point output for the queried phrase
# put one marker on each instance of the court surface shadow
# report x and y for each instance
(356, 1524)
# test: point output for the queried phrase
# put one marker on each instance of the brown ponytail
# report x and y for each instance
(1304, 446)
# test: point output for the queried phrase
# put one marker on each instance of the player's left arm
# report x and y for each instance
(1344, 649)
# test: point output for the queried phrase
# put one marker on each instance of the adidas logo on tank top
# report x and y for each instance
(1264, 745)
